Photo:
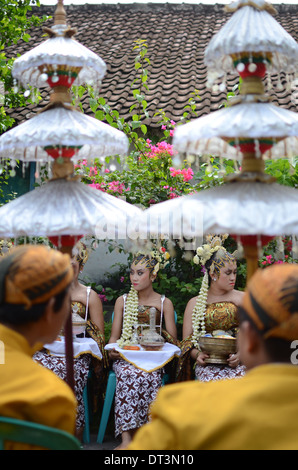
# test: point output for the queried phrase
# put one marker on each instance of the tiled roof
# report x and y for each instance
(177, 35)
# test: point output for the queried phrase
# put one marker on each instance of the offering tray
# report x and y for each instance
(217, 348)
(147, 360)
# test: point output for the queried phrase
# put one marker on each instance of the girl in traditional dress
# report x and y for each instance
(215, 308)
(136, 389)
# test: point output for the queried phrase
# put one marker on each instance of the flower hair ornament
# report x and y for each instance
(80, 253)
(204, 255)
(5, 247)
(158, 258)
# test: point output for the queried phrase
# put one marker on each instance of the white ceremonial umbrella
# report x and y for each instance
(65, 210)
(62, 131)
(228, 131)
(251, 33)
(60, 60)
(251, 44)
(252, 211)
(66, 207)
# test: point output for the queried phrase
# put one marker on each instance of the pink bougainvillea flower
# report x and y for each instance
(187, 174)
(93, 171)
(102, 297)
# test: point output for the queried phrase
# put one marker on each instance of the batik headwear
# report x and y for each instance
(80, 253)
(271, 301)
(33, 274)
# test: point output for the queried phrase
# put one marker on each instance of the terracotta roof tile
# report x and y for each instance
(177, 35)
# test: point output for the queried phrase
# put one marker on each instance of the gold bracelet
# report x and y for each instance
(197, 354)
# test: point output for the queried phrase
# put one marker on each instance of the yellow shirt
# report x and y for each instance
(256, 412)
(29, 391)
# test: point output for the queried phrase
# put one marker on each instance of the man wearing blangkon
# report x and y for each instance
(257, 411)
(34, 305)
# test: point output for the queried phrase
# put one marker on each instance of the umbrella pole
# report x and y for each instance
(252, 260)
(68, 338)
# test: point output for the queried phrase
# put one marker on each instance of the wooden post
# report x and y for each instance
(68, 338)
(252, 259)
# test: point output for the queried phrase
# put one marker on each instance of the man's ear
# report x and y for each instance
(48, 313)
(251, 337)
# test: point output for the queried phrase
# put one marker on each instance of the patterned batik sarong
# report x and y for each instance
(217, 372)
(135, 391)
(135, 388)
(81, 370)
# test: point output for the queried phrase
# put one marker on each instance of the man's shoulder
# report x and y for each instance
(50, 383)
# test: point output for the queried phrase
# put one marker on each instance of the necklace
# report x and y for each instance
(198, 313)
(130, 317)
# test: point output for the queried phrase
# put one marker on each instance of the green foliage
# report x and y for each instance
(286, 173)
(15, 22)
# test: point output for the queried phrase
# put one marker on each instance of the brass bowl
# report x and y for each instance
(218, 349)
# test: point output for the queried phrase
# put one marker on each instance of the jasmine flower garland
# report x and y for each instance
(198, 313)
(130, 317)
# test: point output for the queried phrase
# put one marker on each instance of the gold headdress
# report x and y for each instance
(5, 247)
(214, 245)
(157, 259)
(80, 253)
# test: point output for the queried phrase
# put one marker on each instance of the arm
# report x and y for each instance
(116, 326)
(96, 310)
(169, 316)
(195, 354)
(234, 359)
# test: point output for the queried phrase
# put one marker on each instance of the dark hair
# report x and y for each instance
(278, 349)
(14, 314)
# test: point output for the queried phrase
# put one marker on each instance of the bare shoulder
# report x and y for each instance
(93, 294)
(238, 297)
(168, 303)
(119, 302)
(191, 303)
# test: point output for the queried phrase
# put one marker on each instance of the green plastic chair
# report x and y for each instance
(36, 434)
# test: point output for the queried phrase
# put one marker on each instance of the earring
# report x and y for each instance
(214, 279)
